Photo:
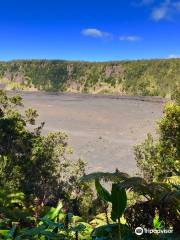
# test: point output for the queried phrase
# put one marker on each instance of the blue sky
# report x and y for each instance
(90, 30)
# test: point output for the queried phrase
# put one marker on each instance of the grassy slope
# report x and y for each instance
(143, 77)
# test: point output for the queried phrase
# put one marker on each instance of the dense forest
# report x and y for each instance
(45, 194)
(142, 77)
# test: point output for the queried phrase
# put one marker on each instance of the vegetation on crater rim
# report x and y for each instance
(143, 77)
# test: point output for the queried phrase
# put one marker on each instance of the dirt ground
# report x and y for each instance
(102, 129)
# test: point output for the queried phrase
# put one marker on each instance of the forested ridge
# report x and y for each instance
(142, 77)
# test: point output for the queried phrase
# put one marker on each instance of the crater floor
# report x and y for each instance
(102, 129)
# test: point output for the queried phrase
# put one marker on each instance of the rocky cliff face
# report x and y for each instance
(116, 71)
(16, 77)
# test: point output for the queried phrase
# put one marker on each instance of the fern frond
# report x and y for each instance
(172, 180)
(158, 187)
(136, 184)
(133, 182)
(173, 198)
(106, 176)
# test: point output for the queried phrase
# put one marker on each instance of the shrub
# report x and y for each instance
(37, 165)
(159, 159)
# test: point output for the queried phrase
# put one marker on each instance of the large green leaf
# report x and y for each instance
(53, 212)
(119, 201)
(102, 192)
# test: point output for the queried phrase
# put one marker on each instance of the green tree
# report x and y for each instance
(176, 94)
(38, 165)
(161, 158)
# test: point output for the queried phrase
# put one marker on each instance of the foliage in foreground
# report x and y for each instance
(160, 158)
(38, 165)
(158, 198)
(118, 222)
(55, 224)
(36, 174)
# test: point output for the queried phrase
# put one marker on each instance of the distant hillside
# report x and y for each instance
(143, 77)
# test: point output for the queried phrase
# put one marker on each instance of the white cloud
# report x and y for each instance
(166, 10)
(160, 9)
(131, 38)
(160, 13)
(94, 32)
(174, 56)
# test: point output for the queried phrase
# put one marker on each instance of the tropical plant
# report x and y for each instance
(118, 200)
(157, 196)
(54, 225)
